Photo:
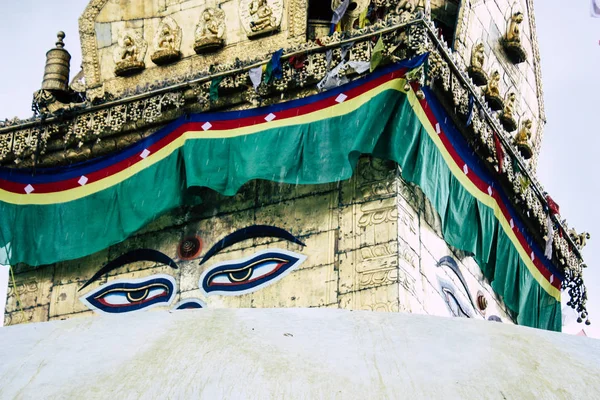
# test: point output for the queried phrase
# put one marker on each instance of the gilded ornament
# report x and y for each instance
(580, 240)
(355, 9)
(522, 139)
(492, 92)
(210, 30)
(508, 114)
(476, 71)
(129, 54)
(260, 17)
(512, 40)
(406, 10)
(167, 42)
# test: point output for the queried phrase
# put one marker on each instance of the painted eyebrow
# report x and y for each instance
(129, 257)
(451, 263)
(251, 232)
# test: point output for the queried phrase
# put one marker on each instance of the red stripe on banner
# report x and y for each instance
(483, 187)
(216, 125)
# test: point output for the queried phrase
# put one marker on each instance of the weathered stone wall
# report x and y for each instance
(372, 243)
(487, 22)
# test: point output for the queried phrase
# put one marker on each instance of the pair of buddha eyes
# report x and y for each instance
(229, 278)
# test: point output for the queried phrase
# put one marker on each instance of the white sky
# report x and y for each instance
(570, 48)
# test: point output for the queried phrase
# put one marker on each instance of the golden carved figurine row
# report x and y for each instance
(258, 17)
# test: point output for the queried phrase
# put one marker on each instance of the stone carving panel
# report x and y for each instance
(167, 42)
(129, 54)
(210, 30)
(260, 17)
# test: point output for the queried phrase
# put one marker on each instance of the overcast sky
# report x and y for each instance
(570, 48)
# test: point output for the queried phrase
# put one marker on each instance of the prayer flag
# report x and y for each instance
(338, 14)
(595, 8)
(256, 76)
(377, 54)
(549, 238)
(554, 208)
(471, 106)
(274, 67)
(499, 151)
(214, 89)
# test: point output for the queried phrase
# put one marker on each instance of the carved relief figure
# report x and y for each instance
(167, 42)
(405, 7)
(210, 30)
(508, 114)
(492, 92)
(261, 16)
(522, 139)
(476, 71)
(129, 54)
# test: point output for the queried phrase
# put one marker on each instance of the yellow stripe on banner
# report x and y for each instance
(79, 192)
(485, 198)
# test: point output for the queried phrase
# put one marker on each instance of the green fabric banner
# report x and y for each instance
(320, 151)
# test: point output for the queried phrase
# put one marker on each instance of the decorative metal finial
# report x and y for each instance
(60, 44)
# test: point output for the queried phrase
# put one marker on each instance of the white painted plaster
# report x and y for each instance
(293, 354)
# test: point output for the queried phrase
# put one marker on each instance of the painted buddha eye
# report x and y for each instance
(247, 275)
(131, 294)
(190, 304)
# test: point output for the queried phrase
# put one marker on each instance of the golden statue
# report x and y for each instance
(129, 54)
(262, 16)
(210, 30)
(492, 92)
(476, 71)
(512, 39)
(167, 42)
(522, 139)
(508, 114)
(514, 29)
(509, 105)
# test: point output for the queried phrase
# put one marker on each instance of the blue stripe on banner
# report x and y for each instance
(47, 175)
